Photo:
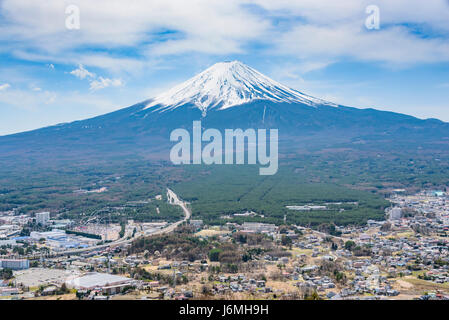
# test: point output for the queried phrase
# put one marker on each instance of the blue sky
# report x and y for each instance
(124, 53)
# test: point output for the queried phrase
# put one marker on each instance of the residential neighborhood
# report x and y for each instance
(404, 256)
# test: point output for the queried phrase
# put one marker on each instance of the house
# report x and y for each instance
(8, 291)
(51, 290)
(3, 283)
(196, 223)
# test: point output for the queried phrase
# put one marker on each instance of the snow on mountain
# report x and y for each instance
(227, 84)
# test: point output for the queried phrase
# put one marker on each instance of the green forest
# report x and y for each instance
(358, 181)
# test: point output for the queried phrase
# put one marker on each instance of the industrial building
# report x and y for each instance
(107, 283)
(59, 239)
(42, 218)
(14, 264)
(396, 213)
(258, 227)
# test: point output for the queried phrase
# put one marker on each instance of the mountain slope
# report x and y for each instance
(228, 84)
(227, 95)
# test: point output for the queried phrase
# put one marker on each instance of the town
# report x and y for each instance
(405, 256)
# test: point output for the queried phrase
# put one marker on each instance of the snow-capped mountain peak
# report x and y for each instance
(227, 84)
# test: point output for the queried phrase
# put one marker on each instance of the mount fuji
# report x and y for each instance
(228, 84)
(226, 95)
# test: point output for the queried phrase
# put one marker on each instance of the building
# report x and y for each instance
(62, 224)
(258, 227)
(306, 208)
(14, 264)
(7, 230)
(105, 282)
(60, 240)
(395, 213)
(9, 291)
(438, 193)
(8, 242)
(42, 218)
(52, 235)
(196, 223)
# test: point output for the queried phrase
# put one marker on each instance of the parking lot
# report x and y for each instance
(36, 277)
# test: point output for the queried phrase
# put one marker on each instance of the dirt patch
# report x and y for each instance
(404, 284)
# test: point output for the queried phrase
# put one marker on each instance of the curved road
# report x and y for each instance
(175, 201)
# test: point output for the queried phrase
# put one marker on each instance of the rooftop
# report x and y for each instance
(92, 280)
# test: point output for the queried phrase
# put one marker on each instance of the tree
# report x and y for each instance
(286, 241)
(242, 238)
(6, 274)
(206, 290)
(19, 250)
(385, 227)
(362, 251)
(349, 245)
(214, 254)
(64, 289)
(313, 296)
(340, 276)
(79, 294)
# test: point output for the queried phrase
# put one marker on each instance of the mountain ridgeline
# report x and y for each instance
(226, 95)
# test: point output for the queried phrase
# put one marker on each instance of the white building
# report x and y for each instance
(42, 218)
(395, 213)
(8, 243)
(14, 264)
(258, 227)
(103, 281)
(196, 223)
(54, 234)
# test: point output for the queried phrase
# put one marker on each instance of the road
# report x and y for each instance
(183, 205)
(170, 228)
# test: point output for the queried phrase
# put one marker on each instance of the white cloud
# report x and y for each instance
(96, 83)
(82, 72)
(323, 12)
(4, 86)
(199, 25)
(103, 61)
(350, 40)
(102, 83)
(27, 99)
(37, 109)
(331, 31)
(119, 38)
(33, 100)
(317, 30)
